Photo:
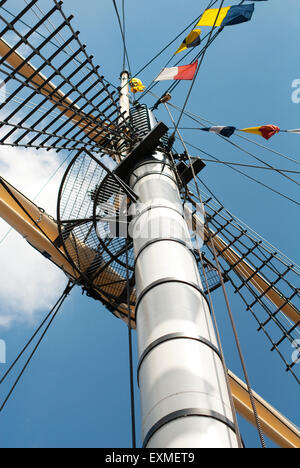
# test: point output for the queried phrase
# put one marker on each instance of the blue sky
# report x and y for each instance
(76, 391)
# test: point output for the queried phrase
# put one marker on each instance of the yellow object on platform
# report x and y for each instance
(136, 86)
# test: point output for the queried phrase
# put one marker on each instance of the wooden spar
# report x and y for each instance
(243, 268)
(47, 88)
(274, 425)
(247, 272)
(41, 231)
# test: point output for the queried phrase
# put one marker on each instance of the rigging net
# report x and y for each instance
(264, 279)
(39, 68)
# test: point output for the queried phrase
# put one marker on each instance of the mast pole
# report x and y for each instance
(124, 105)
(184, 396)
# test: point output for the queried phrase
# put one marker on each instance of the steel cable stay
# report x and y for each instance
(212, 3)
(42, 188)
(200, 120)
(249, 165)
(238, 345)
(130, 349)
(122, 30)
(244, 174)
(268, 264)
(171, 139)
(58, 45)
(36, 224)
(124, 34)
(40, 14)
(241, 226)
(260, 160)
(90, 125)
(200, 54)
(233, 325)
(267, 165)
(217, 330)
(262, 262)
(171, 88)
(48, 322)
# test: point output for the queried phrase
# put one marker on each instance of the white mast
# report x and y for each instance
(184, 396)
(124, 104)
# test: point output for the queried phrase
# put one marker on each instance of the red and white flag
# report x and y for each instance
(185, 72)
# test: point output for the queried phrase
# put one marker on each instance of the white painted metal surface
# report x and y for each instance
(181, 376)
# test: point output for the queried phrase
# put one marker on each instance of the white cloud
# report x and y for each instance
(28, 282)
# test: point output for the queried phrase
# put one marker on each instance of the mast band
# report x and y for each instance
(163, 239)
(164, 281)
(152, 173)
(174, 336)
(186, 413)
(154, 207)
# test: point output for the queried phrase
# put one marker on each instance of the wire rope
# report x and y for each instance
(130, 348)
(236, 170)
(246, 175)
(41, 190)
(125, 53)
(54, 313)
(198, 119)
(58, 45)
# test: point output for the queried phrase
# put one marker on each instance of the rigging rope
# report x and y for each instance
(167, 46)
(41, 190)
(124, 32)
(247, 152)
(239, 348)
(248, 165)
(123, 37)
(36, 224)
(198, 119)
(246, 175)
(58, 45)
(54, 311)
(174, 85)
(198, 69)
(132, 399)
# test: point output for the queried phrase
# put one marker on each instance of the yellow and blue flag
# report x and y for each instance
(192, 40)
(227, 16)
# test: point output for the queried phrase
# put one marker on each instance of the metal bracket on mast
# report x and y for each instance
(187, 172)
(146, 147)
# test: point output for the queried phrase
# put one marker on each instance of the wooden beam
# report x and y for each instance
(56, 96)
(243, 268)
(274, 425)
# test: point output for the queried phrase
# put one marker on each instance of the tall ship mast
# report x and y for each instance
(191, 298)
